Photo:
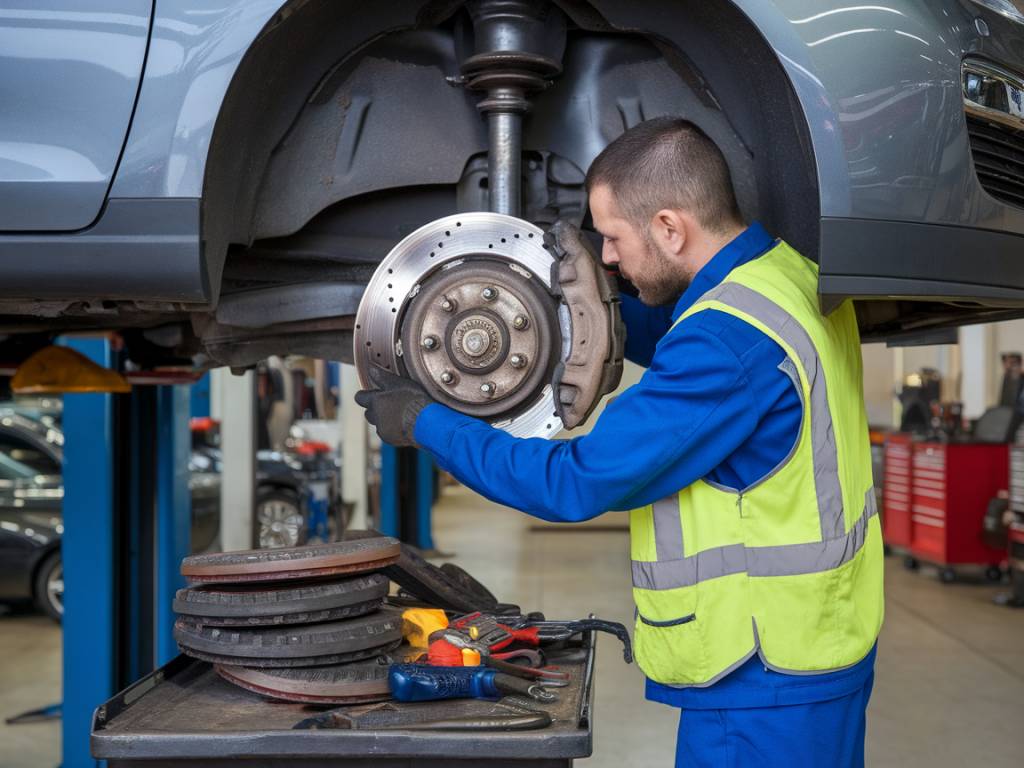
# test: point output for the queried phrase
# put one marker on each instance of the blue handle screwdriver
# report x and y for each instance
(423, 682)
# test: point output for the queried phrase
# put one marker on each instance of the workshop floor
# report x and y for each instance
(948, 689)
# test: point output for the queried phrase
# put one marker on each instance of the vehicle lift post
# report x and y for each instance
(127, 524)
(407, 493)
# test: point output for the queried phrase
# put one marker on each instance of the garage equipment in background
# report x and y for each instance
(936, 496)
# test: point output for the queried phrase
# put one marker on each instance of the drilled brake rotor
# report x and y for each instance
(464, 306)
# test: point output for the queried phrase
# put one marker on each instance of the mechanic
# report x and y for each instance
(742, 454)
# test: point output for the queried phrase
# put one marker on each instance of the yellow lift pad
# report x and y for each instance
(53, 370)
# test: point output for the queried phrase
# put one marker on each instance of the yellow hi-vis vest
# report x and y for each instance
(790, 567)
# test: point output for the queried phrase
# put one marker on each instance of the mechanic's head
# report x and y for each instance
(661, 197)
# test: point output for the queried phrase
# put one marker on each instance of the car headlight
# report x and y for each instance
(1003, 8)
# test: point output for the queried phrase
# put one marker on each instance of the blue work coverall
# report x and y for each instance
(713, 403)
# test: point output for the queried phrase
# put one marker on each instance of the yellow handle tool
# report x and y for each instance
(418, 624)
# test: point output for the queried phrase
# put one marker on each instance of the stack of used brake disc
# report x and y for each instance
(305, 624)
(310, 624)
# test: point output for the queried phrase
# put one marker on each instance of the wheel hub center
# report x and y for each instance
(476, 341)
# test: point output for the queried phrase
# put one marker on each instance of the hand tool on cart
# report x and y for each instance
(418, 624)
(450, 715)
(454, 648)
(497, 635)
(422, 682)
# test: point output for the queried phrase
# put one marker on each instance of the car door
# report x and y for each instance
(69, 76)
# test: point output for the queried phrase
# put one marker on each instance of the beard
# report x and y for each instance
(659, 281)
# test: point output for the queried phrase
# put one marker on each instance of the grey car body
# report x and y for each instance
(222, 177)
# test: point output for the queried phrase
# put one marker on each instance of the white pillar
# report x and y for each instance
(353, 449)
(235, 398)
(975, 369)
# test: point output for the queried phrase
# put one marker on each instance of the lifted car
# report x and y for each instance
(219, 180)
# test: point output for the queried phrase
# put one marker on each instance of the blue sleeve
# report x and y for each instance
(644, 328)
(691, 409)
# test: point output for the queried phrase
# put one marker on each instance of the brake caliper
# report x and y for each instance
(593, 367)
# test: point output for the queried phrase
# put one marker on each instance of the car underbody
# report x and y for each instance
(345, 130)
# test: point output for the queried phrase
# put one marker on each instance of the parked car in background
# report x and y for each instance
(289, 485)
(31, 495)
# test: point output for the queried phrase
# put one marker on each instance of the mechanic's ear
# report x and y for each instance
(669, 230)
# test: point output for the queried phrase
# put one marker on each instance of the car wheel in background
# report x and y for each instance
(48, 588)
(280, 521)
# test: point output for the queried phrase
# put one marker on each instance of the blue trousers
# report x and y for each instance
(822, 734)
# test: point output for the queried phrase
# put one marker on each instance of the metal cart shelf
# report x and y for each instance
(183, 714)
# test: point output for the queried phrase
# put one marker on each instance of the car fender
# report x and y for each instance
(195, 49)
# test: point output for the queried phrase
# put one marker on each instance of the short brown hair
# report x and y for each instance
(670, 163)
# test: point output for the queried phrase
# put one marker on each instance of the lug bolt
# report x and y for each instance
(447, 377)
(517, 360)
(489, 293)
(520, 322)
(488, 388)
(430, 342)
(447, 304)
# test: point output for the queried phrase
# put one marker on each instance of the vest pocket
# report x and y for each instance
(670, 623)
(668, 635)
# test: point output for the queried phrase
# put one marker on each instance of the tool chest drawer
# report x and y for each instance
(1017, 478)
(951, 485)
(896, 490)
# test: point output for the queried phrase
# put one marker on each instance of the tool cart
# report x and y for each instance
(183, 714)
(951, 485)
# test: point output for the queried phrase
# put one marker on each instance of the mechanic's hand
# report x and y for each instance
(393, 406)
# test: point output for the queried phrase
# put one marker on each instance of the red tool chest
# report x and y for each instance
(951, 485)
(896, 491)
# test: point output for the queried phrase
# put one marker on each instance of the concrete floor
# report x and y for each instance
(949, 686)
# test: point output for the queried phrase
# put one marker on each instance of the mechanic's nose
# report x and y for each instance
(608, 254)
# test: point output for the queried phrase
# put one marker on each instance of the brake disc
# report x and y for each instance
(292, 642)
(356, 683)
(299, 604)
(465, 306)
(286, 564)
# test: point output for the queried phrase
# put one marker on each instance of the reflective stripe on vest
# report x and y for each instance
(823, 439)
(673, 570)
